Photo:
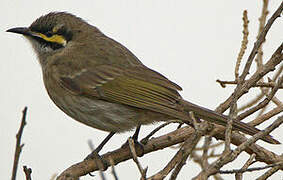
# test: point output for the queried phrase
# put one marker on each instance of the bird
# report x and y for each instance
(100, 83)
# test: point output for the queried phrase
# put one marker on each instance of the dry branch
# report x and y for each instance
(19, 146)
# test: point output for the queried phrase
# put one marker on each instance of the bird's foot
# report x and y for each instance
(101, 163)
(138, 146)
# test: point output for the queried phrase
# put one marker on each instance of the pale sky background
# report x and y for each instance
(193, 43)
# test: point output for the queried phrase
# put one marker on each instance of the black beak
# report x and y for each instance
(20, 30)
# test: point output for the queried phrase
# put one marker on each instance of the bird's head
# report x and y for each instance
(52, 33)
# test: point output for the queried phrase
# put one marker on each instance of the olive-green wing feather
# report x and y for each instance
(137, 86)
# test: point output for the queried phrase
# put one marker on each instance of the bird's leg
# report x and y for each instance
(136, 134)
(95, 156)
(101, 145)
(94, 153)
(135, 138)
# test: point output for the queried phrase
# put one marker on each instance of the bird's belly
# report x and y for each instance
(100, 114)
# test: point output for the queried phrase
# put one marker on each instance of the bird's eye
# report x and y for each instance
(48, 34)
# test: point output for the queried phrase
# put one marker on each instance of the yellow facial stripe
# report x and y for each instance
(55, 38)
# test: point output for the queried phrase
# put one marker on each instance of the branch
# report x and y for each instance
(159, 143)
(269, 66)
(263, 103)
(27, 172)
(244, 43)
(250, 169)
(258, 84)
(239, 175)
(135, 159)
(19, 146)
(266, 116)
(228, 157)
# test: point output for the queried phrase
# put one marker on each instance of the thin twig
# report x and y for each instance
(251, 103)
(199, 160)
(223, 107)
(270, 172)
(228, 130)
(209, 147)
(144, 140)
(19, 146)
(258, 84)
(228, 157)
(158, 143)
(239, 175)
(258, 97)
(113, 168)
(244, 43)
(97, 159)
(187, 150)
(249, 169)
(278, 73)
(259, 57)
(262, 21)
(205, 155)
(266, 116)
(263, 103)
(27, 172)
(135, 158)
(180, 157)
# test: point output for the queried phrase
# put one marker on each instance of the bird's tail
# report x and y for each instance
(221, 119)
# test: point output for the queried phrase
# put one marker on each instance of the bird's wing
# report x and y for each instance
(136, 86)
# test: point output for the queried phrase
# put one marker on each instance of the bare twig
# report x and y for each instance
(158, 143)
(258, 84)
(144, 140)
(240, 80)
(199, 160)
(263, 93)
(182, 154)
(135, 158)
(262, 21)
(263, 103)
(270, 172)
(249, 169)
(209, 146)
(228, 130)
(266, 116)
(113, 168)
(244, 43)
(187, 148)
(269, 67)
(27, 172)
(259, 57)
(278, 73)
(19, 146)
(239, 175)
(98, 159)
(228, 157)
(205, 155)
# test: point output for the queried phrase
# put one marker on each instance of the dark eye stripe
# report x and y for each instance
(49, 34)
